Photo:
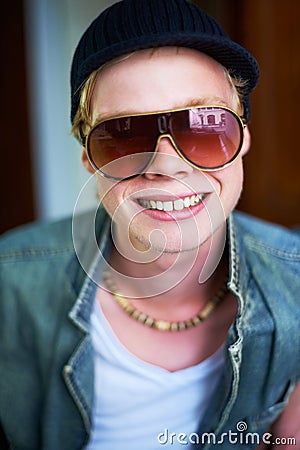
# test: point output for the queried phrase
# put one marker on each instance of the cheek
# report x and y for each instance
(110, 204)
(109, 194)
(231, 184)
(116, 199)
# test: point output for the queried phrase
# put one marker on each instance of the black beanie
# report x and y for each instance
(131, 25)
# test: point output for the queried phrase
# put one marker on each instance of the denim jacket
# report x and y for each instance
(46, 353)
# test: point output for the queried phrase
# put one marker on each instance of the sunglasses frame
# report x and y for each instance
(240, 119)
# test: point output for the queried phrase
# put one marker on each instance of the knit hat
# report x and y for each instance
(131, 25)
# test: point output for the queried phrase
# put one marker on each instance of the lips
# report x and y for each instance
(172, 205)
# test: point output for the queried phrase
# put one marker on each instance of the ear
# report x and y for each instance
(247, 141)
(86, 163)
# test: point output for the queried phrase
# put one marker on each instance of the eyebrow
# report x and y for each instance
(204, 101)
(212, 100)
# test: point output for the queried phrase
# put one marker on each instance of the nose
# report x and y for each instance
(167, 162)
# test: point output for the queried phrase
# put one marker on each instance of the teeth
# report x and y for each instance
(186, 202)
(178, 204)
(193, 200)
(169, 205)
(159, 205)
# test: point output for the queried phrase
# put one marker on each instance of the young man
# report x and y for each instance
(163, 319)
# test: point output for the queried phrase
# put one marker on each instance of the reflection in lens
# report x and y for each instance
(208, 137)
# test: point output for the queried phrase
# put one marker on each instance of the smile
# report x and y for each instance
(175, 205)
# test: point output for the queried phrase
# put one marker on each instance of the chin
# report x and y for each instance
(161, 242)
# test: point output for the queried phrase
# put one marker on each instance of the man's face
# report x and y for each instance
(165, 79)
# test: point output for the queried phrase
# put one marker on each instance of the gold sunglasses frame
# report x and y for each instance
(241, 121)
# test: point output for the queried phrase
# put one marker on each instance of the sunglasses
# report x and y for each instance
(208, 138)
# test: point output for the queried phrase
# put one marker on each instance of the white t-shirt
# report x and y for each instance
(138, 405)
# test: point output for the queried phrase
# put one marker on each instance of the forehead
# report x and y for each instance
(159, 79)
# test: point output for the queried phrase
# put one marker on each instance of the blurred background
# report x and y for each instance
(41, 173)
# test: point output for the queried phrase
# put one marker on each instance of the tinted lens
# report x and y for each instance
(208, 137)
(121, 148)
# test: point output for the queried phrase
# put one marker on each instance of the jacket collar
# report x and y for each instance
(238, 268)
(91, 239)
